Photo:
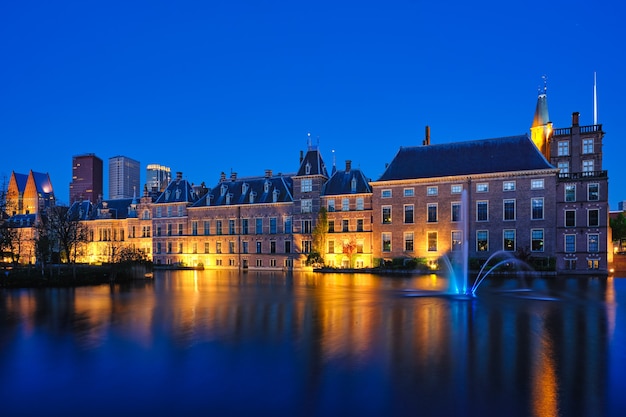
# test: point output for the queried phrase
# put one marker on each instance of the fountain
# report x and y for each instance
(459, 275)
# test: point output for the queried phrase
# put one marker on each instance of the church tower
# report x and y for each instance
(541, 129)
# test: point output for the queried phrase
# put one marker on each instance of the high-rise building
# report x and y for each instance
(158, 177)
(86, 178)
(123, 177)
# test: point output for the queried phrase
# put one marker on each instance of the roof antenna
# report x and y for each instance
(595, 100)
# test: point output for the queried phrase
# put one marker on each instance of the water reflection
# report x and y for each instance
(310, 344)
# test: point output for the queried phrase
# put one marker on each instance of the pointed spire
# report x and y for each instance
(541, 117)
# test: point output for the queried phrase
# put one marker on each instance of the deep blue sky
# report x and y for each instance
(211, 86)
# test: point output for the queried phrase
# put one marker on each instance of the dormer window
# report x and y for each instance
(252, 195)
(307, 168)
(146, 214)
(244, 188)
(228, 197)
(266, 187)
(223, 190)
(178, 194)
(275, 194)
(208, 199)
(167, 195)
(353, 185)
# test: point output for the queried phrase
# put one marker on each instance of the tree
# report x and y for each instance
(68, 231)
(618, 225)
(10, 241)
(349, 248)
(319, 232)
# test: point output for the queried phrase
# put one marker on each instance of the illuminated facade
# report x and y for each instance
(492, 195)
(347, 197)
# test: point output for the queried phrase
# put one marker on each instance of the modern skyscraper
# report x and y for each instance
(158, 177)
(123, 177)
(86, 178)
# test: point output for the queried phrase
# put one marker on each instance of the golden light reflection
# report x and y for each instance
(545, 384)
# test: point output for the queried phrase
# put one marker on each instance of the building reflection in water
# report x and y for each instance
(352, 341)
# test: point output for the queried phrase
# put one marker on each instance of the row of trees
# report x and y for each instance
(56, 237)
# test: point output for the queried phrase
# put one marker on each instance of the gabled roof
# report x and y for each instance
(20, 181)
(264, 189)
(312, 164)
(513, 153)
(342, 183)
(178, 191)
(42, 182)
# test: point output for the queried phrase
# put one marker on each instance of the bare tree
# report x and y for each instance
(70, 233)
(10, 241)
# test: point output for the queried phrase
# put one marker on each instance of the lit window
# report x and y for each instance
(386, 214)
(509, 240)
(432, 191)
(360, 203)
(457, 240)
(482, 240)
(432, 241)
(587, 145)
(456, 189)
(409, 192)
(482, 187)
(563, 148)
(563, 167)
(345, 204)
(508, 186)
(331, 205)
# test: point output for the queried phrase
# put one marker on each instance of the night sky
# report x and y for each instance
(211, 86)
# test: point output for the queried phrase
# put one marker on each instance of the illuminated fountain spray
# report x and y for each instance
(459, 269)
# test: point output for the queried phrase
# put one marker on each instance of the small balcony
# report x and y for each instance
(586, 175)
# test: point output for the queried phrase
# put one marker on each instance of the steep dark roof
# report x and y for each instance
(233, 192)
(312, 164)
(341, 183)
(119, 208)
(20, 181)
(42, 183)
(513, 153)
(178, 191)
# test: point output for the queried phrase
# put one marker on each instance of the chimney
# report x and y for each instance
(426, 140)
(222, 176)
(179, 175)
(348, 165)
(268, 173)
(575, 116)
(233, 176)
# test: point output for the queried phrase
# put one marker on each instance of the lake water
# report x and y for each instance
(257, 344)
